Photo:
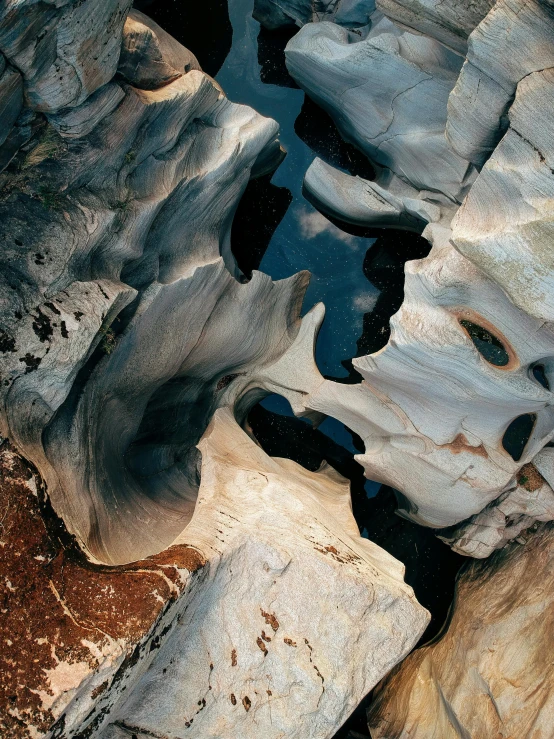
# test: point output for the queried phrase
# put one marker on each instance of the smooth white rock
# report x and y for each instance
(431, 410)
(387, 94)
(365, 203)
(448, 21)
(506, 224)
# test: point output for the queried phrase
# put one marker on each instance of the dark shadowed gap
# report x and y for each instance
(316, 129)
(271, 56)
(539, 373)
(261, 209)
(487, 344)
(517, 435)
(204, 28)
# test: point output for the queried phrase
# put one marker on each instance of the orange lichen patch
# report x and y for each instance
(290, 642)
(270, 619)
(261, 645)
(246, 702)
(530, 478)
(234, 658)
(460, 444)
(60, 616)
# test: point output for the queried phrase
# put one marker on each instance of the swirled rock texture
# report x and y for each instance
(490, 673)
(448, 21)
(142, 530)
(459, 401)
(388, 95)
(65, 50)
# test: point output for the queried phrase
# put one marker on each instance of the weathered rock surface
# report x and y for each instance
(150, 58)
(429, 430)
(143, 200)
(11, 98)
(124, 325)
(391, 204)
(70, 630)
(506, 224)
(515, 39)
(531, 500)
(449, 22)
(475, 329)
(246, 654)
(65, 50)
(490, 673)
(387, 94)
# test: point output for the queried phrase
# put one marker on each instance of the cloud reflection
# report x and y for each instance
(313, 224)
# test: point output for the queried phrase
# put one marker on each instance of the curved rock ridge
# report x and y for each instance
(432, 410)
(388, 95)
(127, 197)
(459, 401)
(135, 424)
(490, 673)
(128, 336)
(448, 21)
(506, 224)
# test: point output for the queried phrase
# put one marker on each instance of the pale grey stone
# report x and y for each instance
(515, 39)
(387, 94)
(65, 51)
(448, 21)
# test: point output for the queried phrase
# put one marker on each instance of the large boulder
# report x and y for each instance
(489, 674)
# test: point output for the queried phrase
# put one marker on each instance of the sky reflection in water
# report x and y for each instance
(304, 239)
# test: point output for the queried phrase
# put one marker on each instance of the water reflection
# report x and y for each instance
(304, 239)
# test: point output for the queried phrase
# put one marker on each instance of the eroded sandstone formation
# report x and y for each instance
(125, 324)
(459, 401)
(162, 575)
(456, 411)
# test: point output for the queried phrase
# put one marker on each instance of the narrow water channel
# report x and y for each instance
(357, 274)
